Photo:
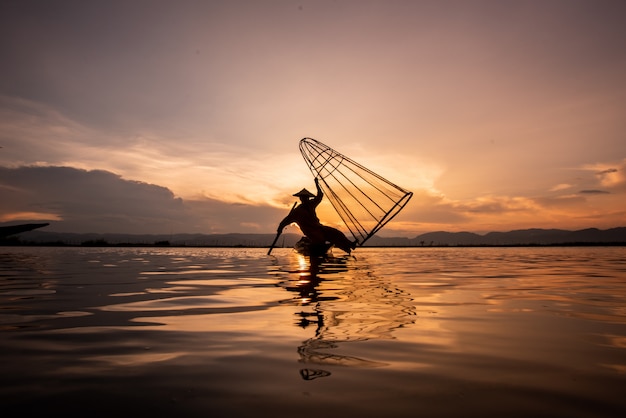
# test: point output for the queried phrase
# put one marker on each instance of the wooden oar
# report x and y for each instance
(279, 232)
(273, 243)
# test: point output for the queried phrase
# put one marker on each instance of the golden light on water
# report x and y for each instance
(407, 328)
(303, 264)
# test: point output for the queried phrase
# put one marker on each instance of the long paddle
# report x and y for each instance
(278, 234)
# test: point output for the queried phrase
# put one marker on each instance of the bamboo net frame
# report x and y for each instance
(364, 200)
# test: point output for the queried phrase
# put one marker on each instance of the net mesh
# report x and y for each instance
(364, 200)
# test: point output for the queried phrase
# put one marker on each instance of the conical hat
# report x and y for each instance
(304, 192)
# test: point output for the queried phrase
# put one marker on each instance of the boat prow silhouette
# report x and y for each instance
(6, 231)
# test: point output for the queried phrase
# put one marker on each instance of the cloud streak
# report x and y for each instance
(594, 191)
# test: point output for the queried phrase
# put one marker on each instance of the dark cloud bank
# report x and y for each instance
(101, 201)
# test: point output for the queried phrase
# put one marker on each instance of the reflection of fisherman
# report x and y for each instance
(304, 215)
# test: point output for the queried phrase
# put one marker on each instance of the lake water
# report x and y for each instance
(419, 332)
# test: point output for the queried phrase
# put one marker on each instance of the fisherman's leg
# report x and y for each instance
(337, 238)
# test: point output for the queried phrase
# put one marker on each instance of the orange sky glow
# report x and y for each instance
(158, 116)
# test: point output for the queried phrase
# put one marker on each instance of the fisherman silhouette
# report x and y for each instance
(305, 217)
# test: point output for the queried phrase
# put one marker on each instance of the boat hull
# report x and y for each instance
(6, 231)
(306, 247)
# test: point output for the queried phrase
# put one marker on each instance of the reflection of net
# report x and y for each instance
(345, 303)
(310, 374)
(355, 307)
(364, 200)
(367, 309)
(310, 353)
(348, 304)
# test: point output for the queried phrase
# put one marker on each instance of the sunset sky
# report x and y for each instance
(185, 116)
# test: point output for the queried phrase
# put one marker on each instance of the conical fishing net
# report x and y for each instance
(364, 200)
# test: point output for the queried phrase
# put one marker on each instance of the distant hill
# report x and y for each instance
(441, 238)
(522, 237)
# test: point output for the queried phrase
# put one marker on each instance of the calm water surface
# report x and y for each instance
(421, 332)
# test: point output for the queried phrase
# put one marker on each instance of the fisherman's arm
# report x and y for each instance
(289, 219)
(284, 223)
(320, 195)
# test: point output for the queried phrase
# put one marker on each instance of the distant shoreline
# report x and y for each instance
(441, 239)
(164, 245)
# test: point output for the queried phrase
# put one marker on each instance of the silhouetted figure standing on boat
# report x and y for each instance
(304, 215)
